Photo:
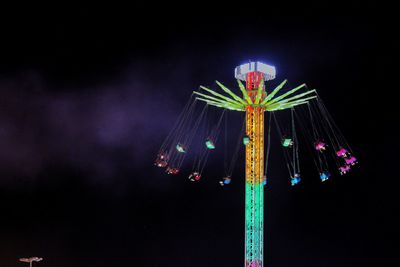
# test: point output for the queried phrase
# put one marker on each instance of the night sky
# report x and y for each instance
(88, 94)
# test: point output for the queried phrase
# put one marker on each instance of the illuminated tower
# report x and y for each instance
(254, 74)
(254, 102)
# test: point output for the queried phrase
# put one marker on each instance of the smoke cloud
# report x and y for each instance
(100, 130)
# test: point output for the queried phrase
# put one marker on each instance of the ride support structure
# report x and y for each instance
(254, 188)
(254, 102)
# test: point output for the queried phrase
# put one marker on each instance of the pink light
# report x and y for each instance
(341, 152)
(351, 161)
(320, 146)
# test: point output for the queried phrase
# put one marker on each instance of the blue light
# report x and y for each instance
(295, 180)
(324, 176)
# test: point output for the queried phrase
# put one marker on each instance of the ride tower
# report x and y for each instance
(254, 74)
(254, 102)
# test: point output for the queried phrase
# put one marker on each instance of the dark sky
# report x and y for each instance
(87, 95)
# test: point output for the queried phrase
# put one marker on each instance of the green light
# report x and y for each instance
(246, 140)
(254, 222)
(210, 144)
(287, 142)
(180, 148)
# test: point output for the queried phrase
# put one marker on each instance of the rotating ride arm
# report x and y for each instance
(269, 103)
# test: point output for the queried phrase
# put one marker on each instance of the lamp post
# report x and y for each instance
(31, 260)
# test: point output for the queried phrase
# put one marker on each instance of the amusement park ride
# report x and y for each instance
(310, 113)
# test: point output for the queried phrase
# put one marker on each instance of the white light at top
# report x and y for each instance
(242, 70)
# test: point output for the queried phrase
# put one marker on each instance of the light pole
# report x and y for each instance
(31, 260)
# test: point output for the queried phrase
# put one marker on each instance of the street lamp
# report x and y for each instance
(31, 260)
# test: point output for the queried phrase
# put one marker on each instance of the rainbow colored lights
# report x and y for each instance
(254, 101)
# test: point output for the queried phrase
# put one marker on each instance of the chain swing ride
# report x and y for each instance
(308, 116)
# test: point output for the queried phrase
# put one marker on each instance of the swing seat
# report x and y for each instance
(287, 142)
(320, 146)
(324, 176)
(161, 164)
(194, 176)
(342, 152)
(344, 169)
(180, 148)
(351, 161)
(246, 140)
(172, 171)
(161, 160)
(227, 180)
(295, 179)
(264, 180)
(210, 144)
